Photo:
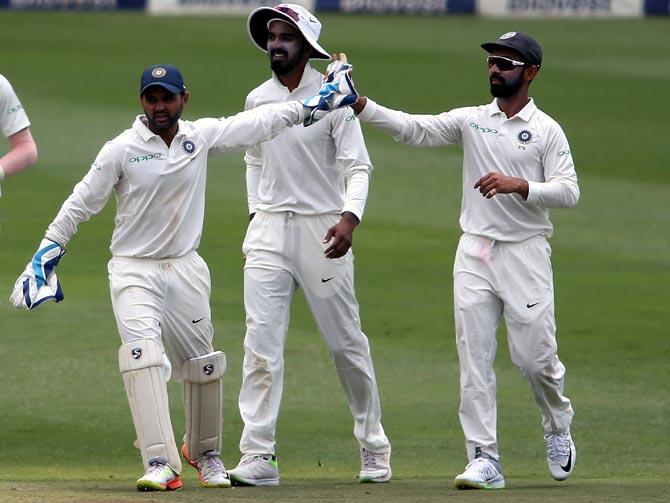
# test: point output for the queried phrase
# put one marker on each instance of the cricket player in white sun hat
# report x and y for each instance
(159, 284)
(15, 126)
(306, 192)
(516, 165)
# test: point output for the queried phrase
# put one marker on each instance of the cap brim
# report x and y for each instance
(491, 46)
(257, 26)
(169, 87)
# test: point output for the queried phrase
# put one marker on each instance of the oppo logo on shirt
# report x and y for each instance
(482, 129)
(147, 157)
(14, 109)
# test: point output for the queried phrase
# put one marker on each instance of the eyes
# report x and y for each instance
(152, 99)
(282, 37)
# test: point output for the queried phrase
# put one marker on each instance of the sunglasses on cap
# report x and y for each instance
(504, 64)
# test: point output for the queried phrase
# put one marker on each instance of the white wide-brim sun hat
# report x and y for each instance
(294, 14)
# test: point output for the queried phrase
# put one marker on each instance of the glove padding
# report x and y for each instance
(39, 283)
(337, 91)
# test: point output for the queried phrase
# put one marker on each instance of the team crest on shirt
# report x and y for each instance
(524, 136)
(188, 146)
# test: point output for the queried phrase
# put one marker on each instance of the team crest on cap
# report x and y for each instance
(507, 35)
(188, 146)
(525, 136)
(158, 72)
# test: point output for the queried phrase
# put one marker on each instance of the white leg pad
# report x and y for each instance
(203, 396)
(141, 365)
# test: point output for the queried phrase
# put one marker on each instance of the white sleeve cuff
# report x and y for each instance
(358, 184)
(369, 111)
(533, 192)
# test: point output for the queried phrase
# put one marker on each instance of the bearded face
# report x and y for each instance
(286, 47)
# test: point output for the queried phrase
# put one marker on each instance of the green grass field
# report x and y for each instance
(65, 426)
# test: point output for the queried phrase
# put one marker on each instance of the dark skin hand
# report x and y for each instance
(496, 183)
(341, 235)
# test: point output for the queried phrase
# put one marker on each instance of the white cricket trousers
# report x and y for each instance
(165, 300)
(284, 251)
(492, 280)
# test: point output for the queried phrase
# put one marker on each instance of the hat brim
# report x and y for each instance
(257, 26)
(169, 87)
(491, 46)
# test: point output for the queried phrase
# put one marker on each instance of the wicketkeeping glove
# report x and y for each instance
(39, 283)
(337, 91)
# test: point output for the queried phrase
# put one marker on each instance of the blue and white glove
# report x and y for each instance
(337, 91)
(39, 283)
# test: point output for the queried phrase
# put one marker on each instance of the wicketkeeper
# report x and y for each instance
(159, 284)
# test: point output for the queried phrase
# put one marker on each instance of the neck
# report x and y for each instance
(512, 105)
(292, 79)
(166, 135)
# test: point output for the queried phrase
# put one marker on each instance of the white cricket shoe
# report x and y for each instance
(159, 477)
(211, 471)
(256, 470)
(561, 455)
(375, 466)
(480, 473)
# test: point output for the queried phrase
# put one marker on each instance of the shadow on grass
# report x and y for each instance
(296, 491)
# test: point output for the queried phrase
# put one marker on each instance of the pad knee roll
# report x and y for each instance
(141, 365)
(203, 396)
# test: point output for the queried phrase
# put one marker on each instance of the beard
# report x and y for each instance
(505, 89)
(164, 124)
(282, 67)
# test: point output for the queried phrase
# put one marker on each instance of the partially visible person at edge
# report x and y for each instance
(15, 127)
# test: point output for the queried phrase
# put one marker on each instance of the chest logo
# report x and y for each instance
(524, 136)
(482, 129)
(148, 157)
(188, 146)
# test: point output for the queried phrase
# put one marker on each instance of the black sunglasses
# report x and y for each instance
(504, 64)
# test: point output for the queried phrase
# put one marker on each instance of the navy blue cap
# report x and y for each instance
(525, 45)
(166, 76)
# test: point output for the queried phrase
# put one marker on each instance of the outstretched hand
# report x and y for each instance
(337, 91)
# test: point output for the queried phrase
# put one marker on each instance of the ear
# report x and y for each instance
(531, 72)
(187, 95)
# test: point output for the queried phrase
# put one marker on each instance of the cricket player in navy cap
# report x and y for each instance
(517, 164)
(159, 284)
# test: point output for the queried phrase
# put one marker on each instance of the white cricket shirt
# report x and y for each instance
(320, 169)
(160, 190)
(13, 117)
(530, 145)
